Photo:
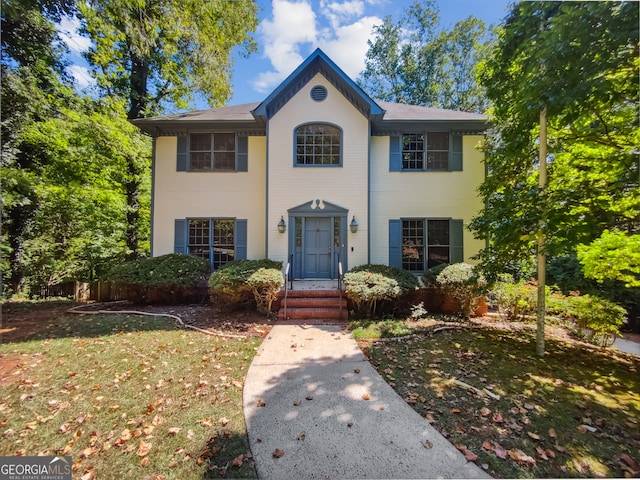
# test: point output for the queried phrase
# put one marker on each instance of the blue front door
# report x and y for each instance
(318, 247)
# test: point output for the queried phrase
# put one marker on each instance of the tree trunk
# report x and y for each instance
(542, 258)
(137, 108)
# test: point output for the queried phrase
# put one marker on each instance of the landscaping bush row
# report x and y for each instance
(372, 290)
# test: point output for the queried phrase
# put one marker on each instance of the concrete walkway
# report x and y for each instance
(311, 395)
(627, 346)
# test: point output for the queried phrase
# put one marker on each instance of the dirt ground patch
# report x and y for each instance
(19, 321)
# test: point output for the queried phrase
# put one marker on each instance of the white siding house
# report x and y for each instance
(317, 174)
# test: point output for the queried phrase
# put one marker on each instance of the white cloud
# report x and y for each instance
(68, 31)
(294, 30)
(293, 24)
(348, 45)
(82, 76)
(338, 13)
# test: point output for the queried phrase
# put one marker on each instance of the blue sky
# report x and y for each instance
(290, 30)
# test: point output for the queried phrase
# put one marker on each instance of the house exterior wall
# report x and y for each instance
(290, 186)
(397, 195)
(178, 195)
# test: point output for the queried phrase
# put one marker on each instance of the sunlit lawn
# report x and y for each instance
(128, 397)
(574, 413)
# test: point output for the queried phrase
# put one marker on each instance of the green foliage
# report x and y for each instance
(265, 284)
(151, 53)
(172, 278)
(414, 61)
(613, 256)
(232, 284)
(597, 320)
(430, 278)
(580, 61)
(372, 287)
(76, 206)
(164, 271)
(514, 300)
(368, 329)
(465, 284)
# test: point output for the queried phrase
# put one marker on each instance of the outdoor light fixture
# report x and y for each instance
(353, 225)
(282, 227)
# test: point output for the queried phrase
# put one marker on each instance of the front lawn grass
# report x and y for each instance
(573, 413)
(128, 397)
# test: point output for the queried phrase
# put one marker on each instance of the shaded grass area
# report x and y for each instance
(573, 413)
(128, 397)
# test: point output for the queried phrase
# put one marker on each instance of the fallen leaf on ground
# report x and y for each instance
(521, 458)
(302, 436)
(309, 397)
(484, 411)
(237, 462)
(174, 430)
(552, 433)
(500, 451)
(366, 396)
(144, 449)
(278, 453)
(356, 370)
(261, 403)
(533, 435)
(427, 444)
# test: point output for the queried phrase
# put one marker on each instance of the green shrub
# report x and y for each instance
(164, 279)
(230, 284)
(430, 277)
(265, 284)
(514, 300)
(464, 284)
(596, 319)
(371, 287)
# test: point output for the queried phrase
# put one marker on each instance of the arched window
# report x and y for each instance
(318, 144)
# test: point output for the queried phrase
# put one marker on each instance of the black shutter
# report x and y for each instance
(242, 155)
(395, 153)
(455, 155)
(456, 233)
(395, 243)
(240, 247)
(182, 154)
(181, 231)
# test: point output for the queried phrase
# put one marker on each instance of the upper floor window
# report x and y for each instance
(318, 144)
(425, 151)
(212, 152)
(430, 151)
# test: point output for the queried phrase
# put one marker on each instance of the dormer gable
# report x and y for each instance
(318, 62)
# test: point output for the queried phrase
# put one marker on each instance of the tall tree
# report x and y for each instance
(33, 88)
(578, 61)
(415, 61)
(156, 53)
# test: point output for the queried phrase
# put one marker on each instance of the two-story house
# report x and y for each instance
(317, 173)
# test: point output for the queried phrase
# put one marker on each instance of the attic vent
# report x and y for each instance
(319, 93)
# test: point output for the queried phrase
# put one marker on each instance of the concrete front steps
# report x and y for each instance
(313, 306)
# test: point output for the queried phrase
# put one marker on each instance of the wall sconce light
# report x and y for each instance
(282, 227)
(353, 226)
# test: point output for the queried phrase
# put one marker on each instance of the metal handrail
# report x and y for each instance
(286, 277)
(340, 285)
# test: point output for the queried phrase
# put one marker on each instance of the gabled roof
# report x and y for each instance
(386, 118)
(318, 62)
